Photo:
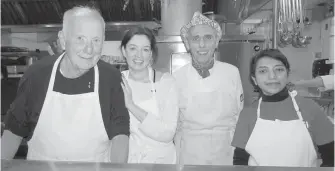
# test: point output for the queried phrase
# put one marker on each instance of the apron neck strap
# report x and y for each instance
(152, 78)
(54, 71)
(96, 79)
(296, 107)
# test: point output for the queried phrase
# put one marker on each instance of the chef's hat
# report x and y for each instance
(199, 19)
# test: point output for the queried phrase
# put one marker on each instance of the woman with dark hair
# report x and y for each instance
(281, 128)
(152, 101)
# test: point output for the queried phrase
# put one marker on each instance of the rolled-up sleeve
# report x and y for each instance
(162, 127)
(17, 117)
(119, 113)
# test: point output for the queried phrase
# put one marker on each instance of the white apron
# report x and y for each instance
(207, 105)
(281, 143)
(70, 127)
(143, 149)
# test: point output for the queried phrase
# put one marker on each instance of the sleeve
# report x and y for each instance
(17, 117)
(119, 113)
(163, 128)
(328, 82)
(241, 157)
(321, 128)
(243, 129)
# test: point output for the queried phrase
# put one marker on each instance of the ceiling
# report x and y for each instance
(28, 12)
(46, 15)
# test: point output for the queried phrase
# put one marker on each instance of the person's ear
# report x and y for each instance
(61, 38)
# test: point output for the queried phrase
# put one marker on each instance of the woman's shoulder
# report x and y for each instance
(309, 108)
(249, 111)
(306, 103)
(166, 80)
(164, 76)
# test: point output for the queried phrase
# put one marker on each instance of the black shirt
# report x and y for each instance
(24, 112)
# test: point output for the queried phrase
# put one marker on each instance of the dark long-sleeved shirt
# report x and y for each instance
(24, 112)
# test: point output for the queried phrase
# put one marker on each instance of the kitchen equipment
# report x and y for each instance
(291, 24)
(320, 67)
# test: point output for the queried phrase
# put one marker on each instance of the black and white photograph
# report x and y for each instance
(167, 85)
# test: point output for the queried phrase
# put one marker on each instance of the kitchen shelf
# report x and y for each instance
(15, 75)
(14, 53)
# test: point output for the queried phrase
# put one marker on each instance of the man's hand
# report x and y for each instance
(120, 149)
(9, 144)
(315, 82)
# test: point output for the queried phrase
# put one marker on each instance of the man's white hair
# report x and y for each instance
(79, 11)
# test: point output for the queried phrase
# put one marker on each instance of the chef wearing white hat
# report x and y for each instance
(211, 98)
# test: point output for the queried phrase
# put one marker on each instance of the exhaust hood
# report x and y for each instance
(22, 12)
(236, 11)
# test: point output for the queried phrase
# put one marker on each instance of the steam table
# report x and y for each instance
(24, 165)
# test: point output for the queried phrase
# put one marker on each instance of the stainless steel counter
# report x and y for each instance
(24, 165)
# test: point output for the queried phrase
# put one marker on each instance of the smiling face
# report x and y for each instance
(83, 40)
(271, 75)
(202, 42)
(138, 52)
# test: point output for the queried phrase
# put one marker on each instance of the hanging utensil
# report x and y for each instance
(284, 9)
(301, 14)
(304, 40)
(294, 11)
(295, 41)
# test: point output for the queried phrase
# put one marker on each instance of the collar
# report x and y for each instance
(211, 70)
(280, 96)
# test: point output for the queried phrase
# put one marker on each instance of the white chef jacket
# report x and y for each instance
(226, 73)
(209, 108)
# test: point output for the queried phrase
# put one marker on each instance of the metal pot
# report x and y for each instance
(30, 60)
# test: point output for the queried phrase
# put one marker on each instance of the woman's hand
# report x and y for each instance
(138, 112)
(128, 98)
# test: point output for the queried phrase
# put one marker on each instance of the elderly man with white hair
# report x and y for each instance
(71, 108)
(211, 98)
